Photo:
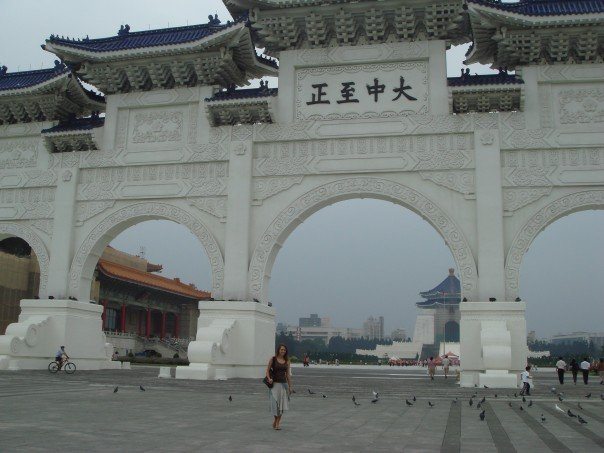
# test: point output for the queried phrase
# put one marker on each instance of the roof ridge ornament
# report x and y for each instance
(213, 20)
(124, 30)
(3, 70)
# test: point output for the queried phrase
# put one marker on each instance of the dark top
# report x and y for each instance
(279, 371)
(574, 366)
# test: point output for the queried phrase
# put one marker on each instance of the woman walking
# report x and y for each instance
(278, 374)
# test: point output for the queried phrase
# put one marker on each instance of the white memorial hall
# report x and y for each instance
(363, 109)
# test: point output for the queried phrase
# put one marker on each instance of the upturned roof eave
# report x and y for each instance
(493, 13)
(37, 88)
(75, 55)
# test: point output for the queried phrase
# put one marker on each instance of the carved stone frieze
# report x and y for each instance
(516, 198)
(157, 126)
(530, 176)
(89, 209)
(35, 242)
(44, 225)
(461, 181)
(592, 199)
(401, 153)
(215, 206)
(305, 205)
(383, 52)
(18, 152)
(267, 187)
(87, 252)
(581, 105)
(173, 180)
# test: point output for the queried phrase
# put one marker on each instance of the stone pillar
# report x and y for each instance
(237, 241)
(61, 246)
(123, 319)
(489, 215)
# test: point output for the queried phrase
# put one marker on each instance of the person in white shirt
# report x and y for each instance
(446, 363)
(585, 365)
(561, 368)
(525, 377)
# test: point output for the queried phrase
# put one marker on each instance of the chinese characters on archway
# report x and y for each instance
(350, 92)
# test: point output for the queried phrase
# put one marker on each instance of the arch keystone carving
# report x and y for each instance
(83, 262)
(363, 187)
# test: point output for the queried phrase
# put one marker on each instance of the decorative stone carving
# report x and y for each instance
(87, 210)
(275, 234)
(44, 225)
(39, 178)
(37, 245)
(580, 106)
(514, 199)
(531, 176)
(215, 206)
(267, 187)
(242, 132)
(87, 253)
(592, 199)
(487, 138)
(239, 149)
(67, 175)
(18, 152)
(460, 181)
(157, 127)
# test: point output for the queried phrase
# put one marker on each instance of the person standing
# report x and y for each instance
(574, 369)
(278, 373)
(585, 365)
(525, 377)
(431, 368)
(561, 368)
(446, 363)
(601, 370)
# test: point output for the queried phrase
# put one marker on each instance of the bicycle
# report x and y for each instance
(69, 367)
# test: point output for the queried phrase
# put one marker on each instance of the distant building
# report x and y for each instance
(312, 321)
(569, 338)
(531, 337)
(398, 335)
(373, 328)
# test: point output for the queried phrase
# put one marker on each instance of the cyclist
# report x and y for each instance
(61, 357)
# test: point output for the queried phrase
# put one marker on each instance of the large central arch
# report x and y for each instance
(87, 255)
(363, 187)
(37, 245)
(569, 204)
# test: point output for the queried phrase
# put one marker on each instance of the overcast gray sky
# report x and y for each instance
(350, 260)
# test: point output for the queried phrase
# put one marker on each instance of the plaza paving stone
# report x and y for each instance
(80, 413)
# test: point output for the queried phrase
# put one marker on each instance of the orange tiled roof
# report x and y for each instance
(125, 273)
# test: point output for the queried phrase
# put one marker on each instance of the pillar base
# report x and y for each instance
(234, 340)
(45, 325)
(493, 346)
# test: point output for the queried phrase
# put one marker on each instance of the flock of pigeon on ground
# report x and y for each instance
(479, 405)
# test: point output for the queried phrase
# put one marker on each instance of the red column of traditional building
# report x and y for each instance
(148, 329)
(123, 319)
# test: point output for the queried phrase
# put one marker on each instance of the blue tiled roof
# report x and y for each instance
(546, 7)
(502, 78)
(247, 93)
(76, 124)
(26, 79)
(450, 286)
(126, 40)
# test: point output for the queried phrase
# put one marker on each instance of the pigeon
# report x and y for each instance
(408, 403)
(356, 404)
(374, 400)
(560, 398)
(471, 402)
(414, 398)
(523, 399)
(478, 406)
(142, 389)
(375, 394)
(474, 395)
(310, 392)
(515, 395)
(485, 387)
(455, 400)
(495, 395)
(553, 390)
(510, 404)
(588, 395)
(483, 400)
(115, 389)
(354, 400)
(570, 414)
(431, 404)
(579, 406)
(230, 399)
(530, 404)
(581, 420)
(542, 418)
(323, 395)
(561, 410)
(521, 408)
(482, 416)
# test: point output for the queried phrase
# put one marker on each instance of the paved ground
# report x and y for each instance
(40, 412)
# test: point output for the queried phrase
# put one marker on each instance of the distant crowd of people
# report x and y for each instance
(575, 367)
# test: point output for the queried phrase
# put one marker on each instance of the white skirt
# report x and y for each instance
(278, 397)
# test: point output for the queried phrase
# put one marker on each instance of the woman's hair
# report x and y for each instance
(286, 352)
